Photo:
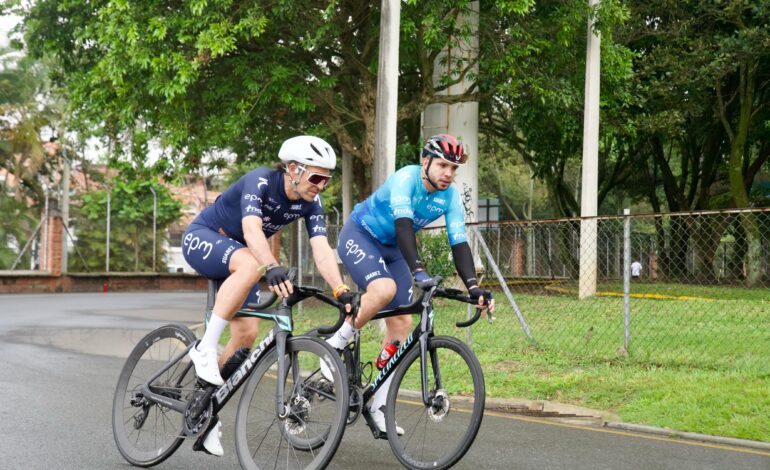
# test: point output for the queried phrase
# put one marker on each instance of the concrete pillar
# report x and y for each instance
(590, 175)
(460, 119)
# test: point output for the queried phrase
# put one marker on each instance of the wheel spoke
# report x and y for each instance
(435, 438)
(308, 437)
(160, 433)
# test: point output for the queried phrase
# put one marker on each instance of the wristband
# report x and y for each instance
(339, 290)
(270, 266)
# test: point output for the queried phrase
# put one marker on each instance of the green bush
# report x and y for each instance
(436, 254)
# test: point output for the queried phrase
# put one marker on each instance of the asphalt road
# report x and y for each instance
(61, 355)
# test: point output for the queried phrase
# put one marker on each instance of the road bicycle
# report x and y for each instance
(288, 415)
(437, 392)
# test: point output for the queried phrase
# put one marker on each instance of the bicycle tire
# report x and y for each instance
(152, 352)
(262, 440)
(457, 366)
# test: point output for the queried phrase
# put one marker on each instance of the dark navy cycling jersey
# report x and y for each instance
(404, 195)
(261, 193)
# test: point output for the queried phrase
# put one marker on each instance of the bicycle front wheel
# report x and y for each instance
(437, 435)
(147, 433)
(308, 437)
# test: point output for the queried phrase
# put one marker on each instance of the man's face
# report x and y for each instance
(312, 180)
(441, 172)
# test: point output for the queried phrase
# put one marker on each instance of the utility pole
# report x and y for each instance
(387, 94)
(107, 255)
(154, 218)
(590, 180)
(65, 207)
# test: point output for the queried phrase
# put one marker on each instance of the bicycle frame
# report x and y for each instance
(420, 335)
(276, 337)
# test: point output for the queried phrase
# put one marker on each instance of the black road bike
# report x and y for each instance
(437, 392)
(288, 415)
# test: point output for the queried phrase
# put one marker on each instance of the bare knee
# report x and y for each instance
(381, 292)
(378, 294)
(245, 266)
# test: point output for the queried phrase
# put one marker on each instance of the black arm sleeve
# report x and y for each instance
(407, 243)
(463, 257)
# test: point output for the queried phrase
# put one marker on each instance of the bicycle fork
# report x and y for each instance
(282, 409)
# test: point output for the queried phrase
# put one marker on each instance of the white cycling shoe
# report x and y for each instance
(379, 419)
(206, 366)
(212, 443)
(326, 371)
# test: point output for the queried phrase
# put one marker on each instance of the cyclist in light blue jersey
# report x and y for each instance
(377, 245)
(228, 242)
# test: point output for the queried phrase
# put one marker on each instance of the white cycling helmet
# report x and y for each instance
(308, 150)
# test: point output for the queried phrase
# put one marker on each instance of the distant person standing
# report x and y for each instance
(636, 270)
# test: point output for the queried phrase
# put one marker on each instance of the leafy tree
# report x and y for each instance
(702, 68)
(24, 110)
(15, 229)
(22, 115)
(533, 71)
(243, 75)
(131, 224)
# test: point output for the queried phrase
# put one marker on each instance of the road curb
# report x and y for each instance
(731, 441)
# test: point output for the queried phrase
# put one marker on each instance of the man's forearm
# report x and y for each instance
(258, 246)
(326, 262)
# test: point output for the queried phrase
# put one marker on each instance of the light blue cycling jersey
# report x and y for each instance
(404, 195)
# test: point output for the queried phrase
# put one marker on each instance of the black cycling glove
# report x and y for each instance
(276, 275)
(477, 292)
(345, 298)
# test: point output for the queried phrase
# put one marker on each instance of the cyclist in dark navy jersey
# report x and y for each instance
(377, 244)
(228, 242)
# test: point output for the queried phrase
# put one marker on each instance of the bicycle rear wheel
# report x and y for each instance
(147, 433)
(309, 436)
(438, 435)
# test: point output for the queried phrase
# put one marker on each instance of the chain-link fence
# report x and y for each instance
(688, 289)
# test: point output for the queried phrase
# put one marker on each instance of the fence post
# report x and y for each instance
(626, 279)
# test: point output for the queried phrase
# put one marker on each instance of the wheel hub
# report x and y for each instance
(296, 423)
(439, 406)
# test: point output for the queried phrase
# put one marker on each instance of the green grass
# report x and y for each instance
(699, 365)
(688, 290)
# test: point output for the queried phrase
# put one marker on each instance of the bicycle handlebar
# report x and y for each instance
(327, 330)
(456, 294)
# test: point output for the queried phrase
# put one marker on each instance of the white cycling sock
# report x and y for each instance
(381, 395)
(341, 337)
(214, 330)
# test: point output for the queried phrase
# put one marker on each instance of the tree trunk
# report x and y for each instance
(738, 154)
